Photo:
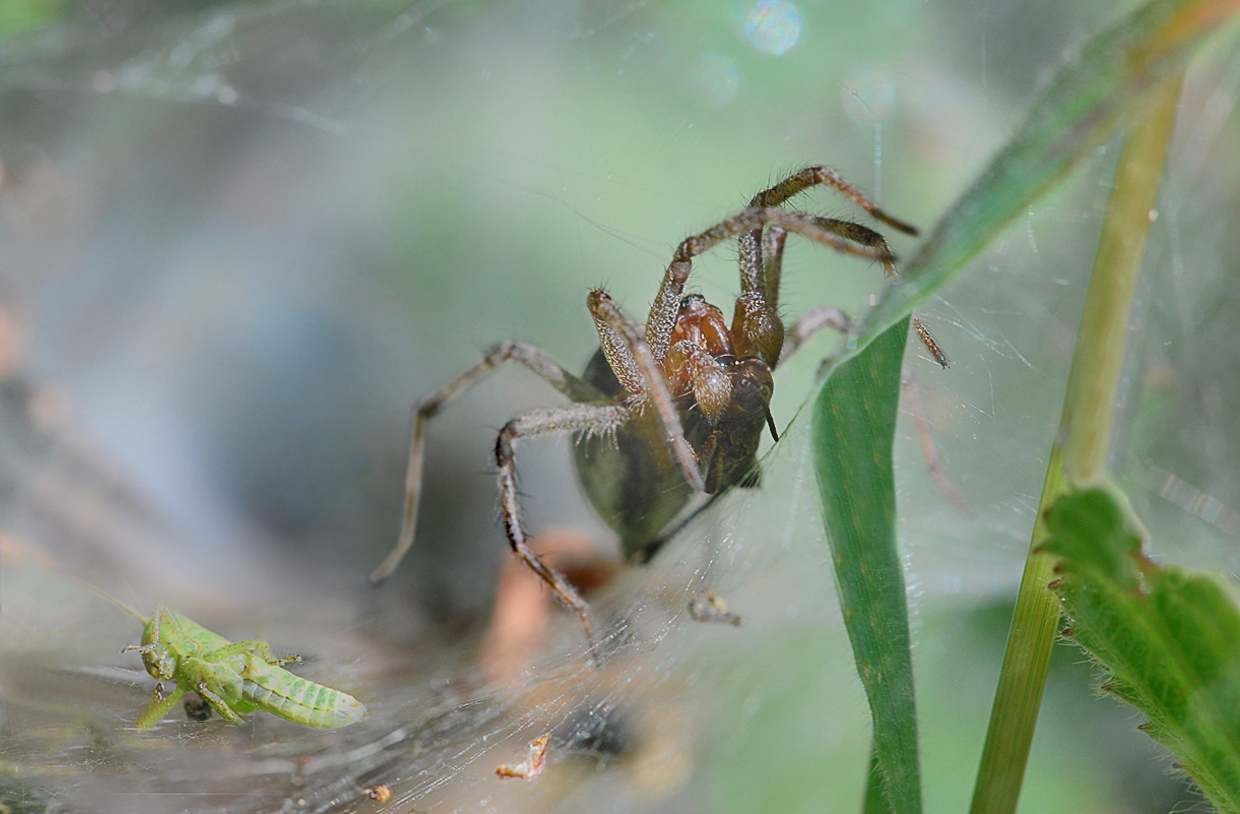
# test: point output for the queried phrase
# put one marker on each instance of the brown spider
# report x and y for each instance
(679, 408)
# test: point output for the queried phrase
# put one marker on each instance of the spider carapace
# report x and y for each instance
(677, 407)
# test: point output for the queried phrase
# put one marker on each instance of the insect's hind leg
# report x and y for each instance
(588, 418)
(534, 359)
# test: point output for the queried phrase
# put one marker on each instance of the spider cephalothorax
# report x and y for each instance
(678, 406)
(723, 400)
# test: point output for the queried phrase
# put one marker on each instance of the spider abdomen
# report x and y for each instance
(629, 477)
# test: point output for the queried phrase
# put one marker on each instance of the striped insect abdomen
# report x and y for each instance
(299, 700)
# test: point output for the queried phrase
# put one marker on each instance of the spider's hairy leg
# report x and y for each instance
(868, 237)
(595, 418)
(863, 235)
(530, 357)
(932, 344)
(662, 318)
(757, 328)
(828, 316)
(772, 266)
(635, 367)
(760, 270)
(756, 218)
(802, 180)
(929, 447)
(810, 323)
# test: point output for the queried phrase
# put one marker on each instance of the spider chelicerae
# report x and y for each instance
(677, 408)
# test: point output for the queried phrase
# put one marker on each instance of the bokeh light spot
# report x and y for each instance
(773, 26)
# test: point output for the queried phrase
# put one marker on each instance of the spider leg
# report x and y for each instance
(641, 376)
(802, 180)
(752, 262)
(662, 317)
(767, 282)
(759, 269)
(868, 237)
(753, 315)
(530, 357)
(756, 319)
(810, 323)
(930, 448)
(862, 235)
(932, 344)
(756, 326)
(772, 266)
(755, 218)
(591, 418)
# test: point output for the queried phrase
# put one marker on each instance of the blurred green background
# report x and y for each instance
(240, 239)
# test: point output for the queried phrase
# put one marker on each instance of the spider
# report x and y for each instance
(675, 409)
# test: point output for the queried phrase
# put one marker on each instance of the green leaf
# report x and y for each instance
(853, 430)
(1075, 114)
(1168, 636)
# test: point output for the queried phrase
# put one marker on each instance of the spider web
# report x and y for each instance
(241, 239)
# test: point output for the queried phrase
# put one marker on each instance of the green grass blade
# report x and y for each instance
(853, 430)
(1168, 636)
(1075, 114)
(1080, 448)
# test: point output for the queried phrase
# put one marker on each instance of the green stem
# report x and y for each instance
(1080, 449)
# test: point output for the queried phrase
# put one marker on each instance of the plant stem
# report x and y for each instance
(1080, 449)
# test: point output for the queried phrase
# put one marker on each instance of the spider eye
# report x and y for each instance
(754, 385)
(691, 301)
(749, 395)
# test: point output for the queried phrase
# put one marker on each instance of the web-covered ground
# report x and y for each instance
(240, 240)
